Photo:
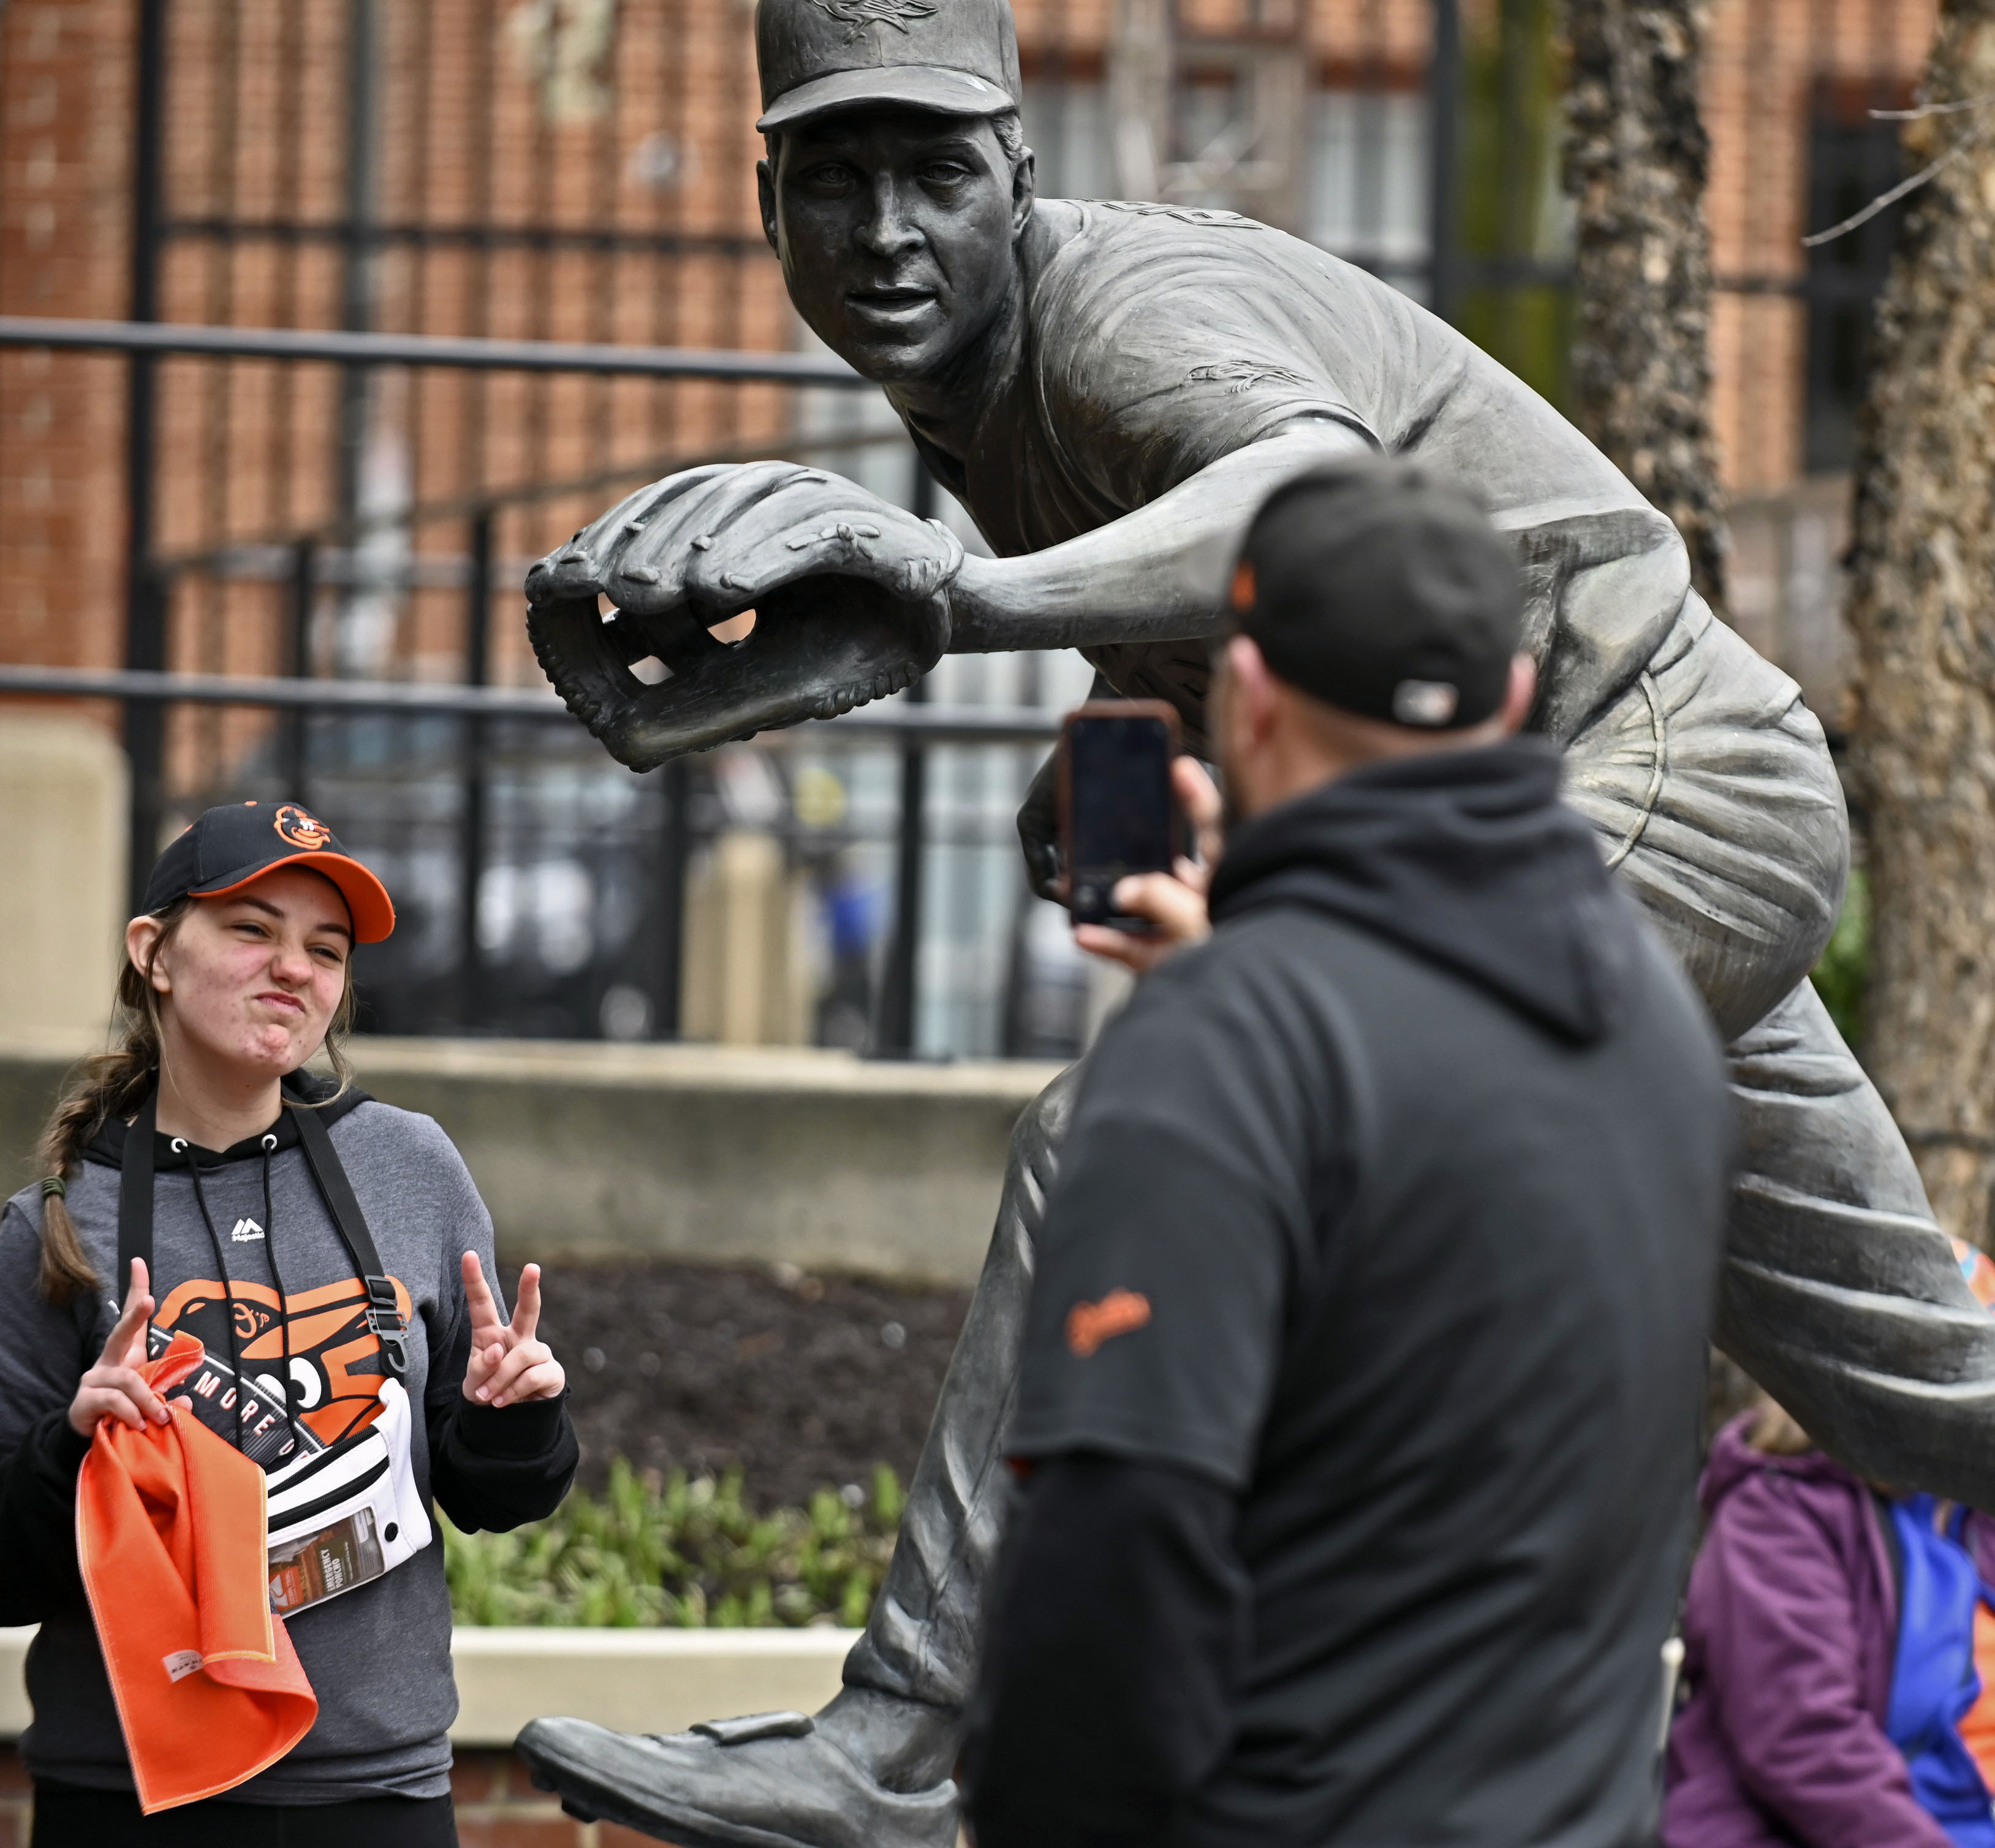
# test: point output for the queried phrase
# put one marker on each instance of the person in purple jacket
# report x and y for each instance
(1828, 1636)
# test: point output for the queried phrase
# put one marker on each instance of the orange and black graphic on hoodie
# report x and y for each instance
(336, 1369)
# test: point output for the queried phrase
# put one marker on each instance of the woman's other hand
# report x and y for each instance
(507, 1365)
(113, 1388)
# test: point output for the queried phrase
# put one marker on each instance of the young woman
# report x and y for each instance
(319, 1244)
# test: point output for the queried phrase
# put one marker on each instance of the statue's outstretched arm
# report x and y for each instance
(854, 597)
(1158, 572)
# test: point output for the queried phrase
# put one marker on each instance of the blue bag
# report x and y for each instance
(1934, 1680)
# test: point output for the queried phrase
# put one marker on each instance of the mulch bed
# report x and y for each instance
(799, 1382)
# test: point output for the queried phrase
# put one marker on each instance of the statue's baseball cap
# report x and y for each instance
(230, 847)
(957, 57)
(1384, 591)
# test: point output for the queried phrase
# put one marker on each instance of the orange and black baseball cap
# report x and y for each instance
(230, 847)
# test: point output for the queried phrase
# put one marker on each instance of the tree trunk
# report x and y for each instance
(1636, 162)
(1922, 606)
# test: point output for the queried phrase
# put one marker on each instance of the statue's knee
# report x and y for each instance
(1719, 810)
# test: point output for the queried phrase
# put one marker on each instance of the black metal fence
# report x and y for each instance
(417, 289)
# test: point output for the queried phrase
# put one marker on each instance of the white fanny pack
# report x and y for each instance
(341, 1516)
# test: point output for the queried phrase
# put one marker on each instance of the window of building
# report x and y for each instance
(1852, 160)
(1066, 121)
(1364, 190)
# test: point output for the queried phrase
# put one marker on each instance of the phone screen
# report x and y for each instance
(1118, 805)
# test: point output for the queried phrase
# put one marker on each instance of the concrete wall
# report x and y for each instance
(716, 1154)
(62, 894)
(632, 1680)
(637, 1681)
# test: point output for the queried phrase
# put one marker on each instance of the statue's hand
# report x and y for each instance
(850, 595)
(1039, 833)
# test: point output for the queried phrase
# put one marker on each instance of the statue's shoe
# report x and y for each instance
(772, 1781)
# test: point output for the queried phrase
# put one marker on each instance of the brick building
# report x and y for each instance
(582, 170)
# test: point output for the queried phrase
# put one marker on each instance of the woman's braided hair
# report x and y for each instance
(114, 1082)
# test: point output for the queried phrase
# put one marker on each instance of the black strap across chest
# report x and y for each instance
(135, 1220)
(134, 1196)
(384, 1315)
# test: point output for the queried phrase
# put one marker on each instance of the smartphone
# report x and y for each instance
(1117, 813)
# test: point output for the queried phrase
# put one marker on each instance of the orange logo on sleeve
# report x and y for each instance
(302, 830)
(1120, 1312)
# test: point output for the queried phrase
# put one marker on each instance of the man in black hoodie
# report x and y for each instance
(1358, 1400)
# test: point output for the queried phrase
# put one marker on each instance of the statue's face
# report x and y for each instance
(897, 231)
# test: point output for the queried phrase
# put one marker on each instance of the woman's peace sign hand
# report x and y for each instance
(114, 1388)
(507, 1365)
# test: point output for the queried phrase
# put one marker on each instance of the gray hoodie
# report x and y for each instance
(378, 1657)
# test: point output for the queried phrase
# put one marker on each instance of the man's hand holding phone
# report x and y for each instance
(1172, 903)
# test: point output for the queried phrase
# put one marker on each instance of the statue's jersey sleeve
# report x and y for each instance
(1162, 339)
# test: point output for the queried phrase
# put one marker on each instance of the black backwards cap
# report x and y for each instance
(1381, 590)
(230, 847)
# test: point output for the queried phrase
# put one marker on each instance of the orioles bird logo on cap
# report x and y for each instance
(302, 830)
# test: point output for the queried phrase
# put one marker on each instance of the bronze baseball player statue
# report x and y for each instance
(1111, 390)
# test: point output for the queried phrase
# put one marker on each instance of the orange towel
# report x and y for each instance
(170, 1533)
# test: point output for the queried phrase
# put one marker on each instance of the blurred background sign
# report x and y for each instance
(576, 178)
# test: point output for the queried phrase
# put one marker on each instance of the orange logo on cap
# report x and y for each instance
(302, 830)
(1242, 597)
(1120, 1312)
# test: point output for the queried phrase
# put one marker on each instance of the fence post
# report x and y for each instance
(674, 852)
(356, 284)
(292, 734)
(470, 842)
(145, 592)
(1444, 160)
(899, 1026)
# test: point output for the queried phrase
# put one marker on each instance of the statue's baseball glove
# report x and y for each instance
(850, 595)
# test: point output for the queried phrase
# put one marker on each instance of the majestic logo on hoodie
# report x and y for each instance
(246, 1232)
(335, 1366)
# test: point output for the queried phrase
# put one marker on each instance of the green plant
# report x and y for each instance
(1843, 972)
(688, 1553)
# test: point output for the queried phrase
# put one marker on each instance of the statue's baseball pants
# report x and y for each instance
(1717, 806)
